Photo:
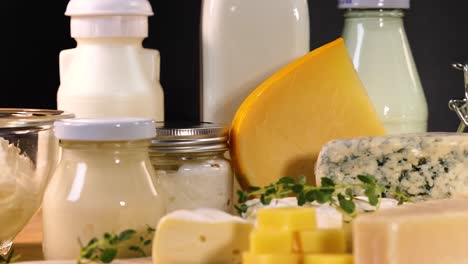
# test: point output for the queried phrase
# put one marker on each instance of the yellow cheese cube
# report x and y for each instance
(249, 258)
(328, 259)
(287, 218)
(282, 125)
(323, 241)
(268, 242)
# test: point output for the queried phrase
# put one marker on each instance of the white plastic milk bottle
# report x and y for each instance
(109, 73)
(243, 43)
(376, 39)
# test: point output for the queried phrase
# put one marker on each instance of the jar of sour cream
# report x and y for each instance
(191, 166)
(104, 183)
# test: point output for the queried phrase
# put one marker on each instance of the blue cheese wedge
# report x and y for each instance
(201, 236)
(426, 165)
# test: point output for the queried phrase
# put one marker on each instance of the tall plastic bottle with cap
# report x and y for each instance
(109, 73)
(376, 39)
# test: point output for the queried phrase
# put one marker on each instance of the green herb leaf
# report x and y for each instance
(265, 200)
(243, 196)
(372, 196)
(126, 235)
(327, 182)
(301, 199)
(286, 180)
(310, 196)
(254, 188)
(297, 188)
(107, 255)
(347, 205)
(367, 179)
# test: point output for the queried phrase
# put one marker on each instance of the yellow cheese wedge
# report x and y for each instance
(249, 258)
(329, 259)
(287, 218)
(327, 241)
(268, 242)
(282, 125)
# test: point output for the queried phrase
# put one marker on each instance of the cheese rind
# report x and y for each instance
(430, 232)
(426, 165)
(199, 236)
(282, 125)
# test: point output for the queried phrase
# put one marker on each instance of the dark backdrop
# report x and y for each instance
(34, 32)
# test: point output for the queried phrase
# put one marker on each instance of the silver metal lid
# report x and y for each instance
(18, 117)
(190, 137)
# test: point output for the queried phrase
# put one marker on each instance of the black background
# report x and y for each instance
(34, 32)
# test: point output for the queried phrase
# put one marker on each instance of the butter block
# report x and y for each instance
(330, 259)
(282, 125)
(424, 165)
(287, 218)
(198, 236)
(430, 232)
(249, 258)
(326, 241)
(271, 242)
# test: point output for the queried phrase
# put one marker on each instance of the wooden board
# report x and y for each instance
(28, 242)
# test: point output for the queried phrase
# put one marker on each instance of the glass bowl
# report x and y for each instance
(28, 153)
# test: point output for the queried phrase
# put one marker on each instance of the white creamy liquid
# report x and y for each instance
(383, 59)
(243, 43)
(198, 184)
(19, 199)
(93, 192)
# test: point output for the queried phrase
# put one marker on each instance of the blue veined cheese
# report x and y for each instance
(425, 165)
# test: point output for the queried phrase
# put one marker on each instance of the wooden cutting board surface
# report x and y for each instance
(28, 242)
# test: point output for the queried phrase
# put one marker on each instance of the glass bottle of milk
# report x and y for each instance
(243, 43)
(376, 40)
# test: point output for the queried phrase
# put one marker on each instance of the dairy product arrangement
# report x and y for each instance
(324, 176)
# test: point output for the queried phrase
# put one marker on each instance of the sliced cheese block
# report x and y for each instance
(282, 125)
(249, 258)
(426, 165)
(430, 232)
(287, 218)
(203, 236)
(264, 241)
(330, 259)
(327, 241)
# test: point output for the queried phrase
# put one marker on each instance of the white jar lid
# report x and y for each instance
(381, 4)
(109, 8)
(109, 18)
(105, 129)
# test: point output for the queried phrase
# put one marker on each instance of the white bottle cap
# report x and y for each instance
(380, 4)
(109, 18)
(105, 129)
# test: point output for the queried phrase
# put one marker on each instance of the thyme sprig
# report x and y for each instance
(341, 196)
(105, 250)
(10, 258)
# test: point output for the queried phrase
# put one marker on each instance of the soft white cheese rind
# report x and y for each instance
(200, 236)
(425, 165)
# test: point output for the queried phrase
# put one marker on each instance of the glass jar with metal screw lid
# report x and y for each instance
(191, 167)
